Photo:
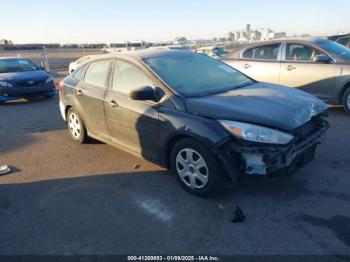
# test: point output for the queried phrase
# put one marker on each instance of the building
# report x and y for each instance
(231, 36)
(278, 35)
(265, 33)
(250, 34)
(255, 35)
(247, 31)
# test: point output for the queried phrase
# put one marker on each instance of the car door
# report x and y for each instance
(132, 124)
(90, 94)
(300, 71)
(262, 62)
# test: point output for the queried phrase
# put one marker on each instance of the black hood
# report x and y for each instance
(262, 104)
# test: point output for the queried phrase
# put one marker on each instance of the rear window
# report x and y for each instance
(97, 72)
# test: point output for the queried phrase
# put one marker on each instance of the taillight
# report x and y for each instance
(60, 86)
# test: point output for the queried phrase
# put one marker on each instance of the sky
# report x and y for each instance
(107, 21)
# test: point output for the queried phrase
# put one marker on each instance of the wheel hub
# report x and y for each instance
(192, 168)
(74, 125)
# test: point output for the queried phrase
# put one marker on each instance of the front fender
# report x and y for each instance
(175, 125)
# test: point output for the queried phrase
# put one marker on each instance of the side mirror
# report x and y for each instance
(143, 93)
(322, 59)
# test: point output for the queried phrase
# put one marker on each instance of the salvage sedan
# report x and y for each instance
(21, 78)
(193, 114)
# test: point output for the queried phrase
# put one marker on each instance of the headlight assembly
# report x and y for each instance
(5, 84)
(49, 79)
(255, 133)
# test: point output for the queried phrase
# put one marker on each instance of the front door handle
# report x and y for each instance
(79, 92)
(246, 66)
(113, 103)
(290, 67)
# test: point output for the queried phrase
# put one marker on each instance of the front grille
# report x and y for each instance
(30, 83)
(309, 128)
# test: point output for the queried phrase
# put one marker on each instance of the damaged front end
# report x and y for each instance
(267, 158)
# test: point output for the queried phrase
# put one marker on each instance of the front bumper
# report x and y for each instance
(266, 159)
(14, 93)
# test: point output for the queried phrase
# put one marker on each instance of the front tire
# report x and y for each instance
(76, 127)
(346, 100)
(197, 169)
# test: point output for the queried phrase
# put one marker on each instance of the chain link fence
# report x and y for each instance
(55, 59)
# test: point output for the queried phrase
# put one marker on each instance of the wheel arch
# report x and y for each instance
(341, 96)
(171, 141)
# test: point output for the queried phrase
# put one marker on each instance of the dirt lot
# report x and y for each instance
(65, 198)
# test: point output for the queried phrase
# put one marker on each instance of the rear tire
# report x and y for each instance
(76, 127)
(346, 100)
(197, 169)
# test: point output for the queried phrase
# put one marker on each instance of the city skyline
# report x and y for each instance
(156, 21)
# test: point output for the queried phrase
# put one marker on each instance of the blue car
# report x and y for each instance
(21, 78)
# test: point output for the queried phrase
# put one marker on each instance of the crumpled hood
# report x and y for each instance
(24, 76)
(262, 104)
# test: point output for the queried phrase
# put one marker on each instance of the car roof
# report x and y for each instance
(301, 39)
(142, 54)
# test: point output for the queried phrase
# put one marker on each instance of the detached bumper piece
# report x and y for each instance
(263, 159)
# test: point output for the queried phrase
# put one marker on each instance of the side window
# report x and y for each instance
(127, 77)
(300, 52)
(344, 41)
(268, 52)
(79, 73)
(97, 72)
(248, 53)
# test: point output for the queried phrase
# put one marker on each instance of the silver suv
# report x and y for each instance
(315, 65)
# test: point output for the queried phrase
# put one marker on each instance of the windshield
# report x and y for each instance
(334, 48)
(192, 74)
(16, 65)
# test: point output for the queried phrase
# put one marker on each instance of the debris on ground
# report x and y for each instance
(136, 167)
(238, 216)
(4, 170)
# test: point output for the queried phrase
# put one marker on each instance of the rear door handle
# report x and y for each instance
(290, 67)
(79, 92)
(246, 66)
(113, 103)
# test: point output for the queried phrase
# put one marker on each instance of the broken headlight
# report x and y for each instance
(256, 133)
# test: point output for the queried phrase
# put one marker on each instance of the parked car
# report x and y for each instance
(81, 61)
(212, 51)
(20, 78)
(318, 66)
(192, 113)
(343, 39)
